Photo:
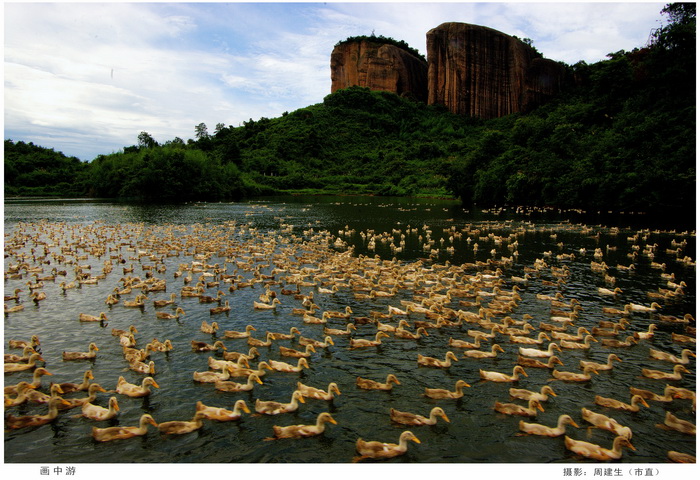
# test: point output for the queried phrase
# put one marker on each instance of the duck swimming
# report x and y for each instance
(400, 332)
(171, 316)
(141, 367)
(574, 376)
(514, 409)
(256, 342)
(287, 367)
(678, 369)
(503, 377)
(229, 386)
(649, 395)
(537, 353)
(36, 396)
(646, 335)
(303, 431)
(89, 355)
(368, 384)
(436, 362)
(291, 352)
(540, 396)
(135, 391)
(198, 346)
(275, 408)
(667, 357)
(439, 393)
(375, 449)
(284, 336)
(26, 354)
(237, 334)
(207, 327)
(674, 423)
(537, 429)
(317, 393)
(596, 452)
(577, 345)
(316, 343)
(222, 414)
(495, 348)
(21, 367)
(606, 423)
(601, 366)
(364, 343)
(96, 412)
(84, 317)
(614, 342)
(633, 406)
(180, 427)
(406, 418)
(534, 363)
(36, 381)
(456, 343)
(13, 422)
(119, 433)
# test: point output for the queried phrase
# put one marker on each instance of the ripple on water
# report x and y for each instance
(475, 433)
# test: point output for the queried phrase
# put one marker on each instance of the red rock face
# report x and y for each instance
(481, 72)
(472, 70)
(378, 67)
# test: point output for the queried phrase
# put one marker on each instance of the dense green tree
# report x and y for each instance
(200, 131)
(146, 140)
(33, 170)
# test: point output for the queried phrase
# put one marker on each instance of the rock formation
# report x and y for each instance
(379, 66)
(481, 72)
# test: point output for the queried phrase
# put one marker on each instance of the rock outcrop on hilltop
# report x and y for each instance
(472, 70)
(481, 72)
(379, 66)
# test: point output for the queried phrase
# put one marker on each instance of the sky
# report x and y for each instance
(86, 78)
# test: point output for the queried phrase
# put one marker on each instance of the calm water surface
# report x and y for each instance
(326, 240)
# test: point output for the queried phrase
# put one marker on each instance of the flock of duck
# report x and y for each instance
(333, 298)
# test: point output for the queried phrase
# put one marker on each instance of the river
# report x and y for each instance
(411, 248)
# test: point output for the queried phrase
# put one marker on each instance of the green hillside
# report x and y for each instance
(622, 137)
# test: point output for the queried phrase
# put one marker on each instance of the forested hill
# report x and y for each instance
(622, 138)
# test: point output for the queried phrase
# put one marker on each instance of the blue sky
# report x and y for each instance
(86, 78)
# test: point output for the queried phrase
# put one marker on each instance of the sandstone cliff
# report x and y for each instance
(379, 67)
(481, 72)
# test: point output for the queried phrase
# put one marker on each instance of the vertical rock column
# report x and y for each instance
(479, 71)
(378, 67)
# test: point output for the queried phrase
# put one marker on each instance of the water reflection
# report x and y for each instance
(435, 245)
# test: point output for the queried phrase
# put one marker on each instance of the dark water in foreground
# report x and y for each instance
(273, 239)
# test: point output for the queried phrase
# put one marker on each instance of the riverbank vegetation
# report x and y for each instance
(621, 137)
